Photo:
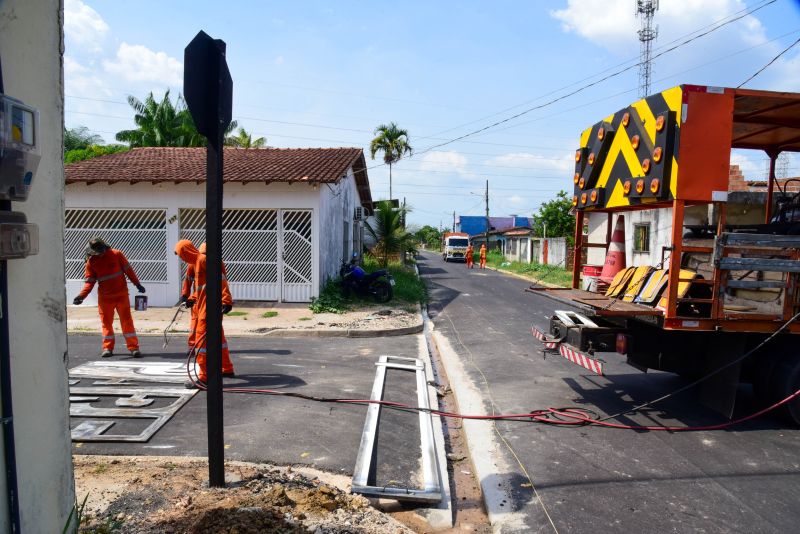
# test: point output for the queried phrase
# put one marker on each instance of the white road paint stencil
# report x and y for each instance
(163, 372)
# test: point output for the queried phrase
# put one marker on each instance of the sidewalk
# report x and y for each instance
(268, 319)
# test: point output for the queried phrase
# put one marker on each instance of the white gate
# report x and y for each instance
(297, 272)
(140, 233)
(251, 241)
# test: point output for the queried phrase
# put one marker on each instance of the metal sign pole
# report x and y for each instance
(208, 89)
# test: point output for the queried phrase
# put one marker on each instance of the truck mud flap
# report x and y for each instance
(548, 342)
(579, 358)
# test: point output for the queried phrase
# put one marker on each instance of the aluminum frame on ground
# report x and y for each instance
(432, 489)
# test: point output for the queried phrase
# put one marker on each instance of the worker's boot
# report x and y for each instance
(106, 353)
(197, 384)
(136, 353)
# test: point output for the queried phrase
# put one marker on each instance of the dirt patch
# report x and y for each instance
(148, 495)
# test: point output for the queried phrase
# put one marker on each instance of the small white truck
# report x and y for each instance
(454, 246)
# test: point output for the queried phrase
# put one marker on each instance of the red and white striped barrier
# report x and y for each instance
(538, 334)
(581, 359)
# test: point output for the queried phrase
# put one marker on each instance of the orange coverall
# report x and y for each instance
(186, 292)
(192, 256)
(109, 270)
(470, 257)
(483, 257)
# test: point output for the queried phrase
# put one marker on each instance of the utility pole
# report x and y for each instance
(646, 10)
(486, 235)
(454, 220)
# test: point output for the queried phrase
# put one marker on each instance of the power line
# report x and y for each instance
(771, 61)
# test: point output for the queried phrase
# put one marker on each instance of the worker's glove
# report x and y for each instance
(226, 308)
(189, 303)
(182, 300)
(77, 301)
(140, 288)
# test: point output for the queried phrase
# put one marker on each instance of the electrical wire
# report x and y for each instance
(771, 61)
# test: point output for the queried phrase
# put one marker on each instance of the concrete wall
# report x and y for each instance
(172, 197)
(31, 47)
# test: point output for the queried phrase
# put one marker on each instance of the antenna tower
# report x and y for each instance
(646, 10)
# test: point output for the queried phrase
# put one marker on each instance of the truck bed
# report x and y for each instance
(597, 304)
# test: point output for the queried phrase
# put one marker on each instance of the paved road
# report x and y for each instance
(280, 429)
(600, 480)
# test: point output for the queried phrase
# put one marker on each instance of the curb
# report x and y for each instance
(523, 277)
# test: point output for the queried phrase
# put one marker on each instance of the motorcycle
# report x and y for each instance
(377, 284)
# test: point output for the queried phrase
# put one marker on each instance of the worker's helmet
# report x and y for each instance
(97, 246)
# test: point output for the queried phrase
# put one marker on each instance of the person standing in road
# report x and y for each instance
(470, 257)
(109, 268)
(186, 295)
(188, 253)
(483, 256)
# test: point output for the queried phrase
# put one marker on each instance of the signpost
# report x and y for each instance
(208, 89)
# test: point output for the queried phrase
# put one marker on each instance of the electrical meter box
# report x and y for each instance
(20, 150)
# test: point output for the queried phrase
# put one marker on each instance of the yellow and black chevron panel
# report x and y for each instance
(630, 157)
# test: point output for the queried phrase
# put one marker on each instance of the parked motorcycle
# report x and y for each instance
(377, 284)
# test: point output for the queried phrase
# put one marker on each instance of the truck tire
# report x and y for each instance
(786, 381)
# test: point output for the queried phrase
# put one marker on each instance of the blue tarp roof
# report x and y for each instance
(476, 224)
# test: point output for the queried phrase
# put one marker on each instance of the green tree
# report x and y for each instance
(429, 235)
(80, 154)
(162, 123)
(393, 142)
(555, 215)
(80, 138)
(243, 139)
(389, 232)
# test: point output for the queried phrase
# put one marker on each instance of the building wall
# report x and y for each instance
(337, 205)
(172, 197)
(31, 47)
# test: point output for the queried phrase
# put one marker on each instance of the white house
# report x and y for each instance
(290, 216)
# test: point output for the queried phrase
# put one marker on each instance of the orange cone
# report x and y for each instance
(615, 257)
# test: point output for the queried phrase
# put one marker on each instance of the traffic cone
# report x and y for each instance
(615, 257)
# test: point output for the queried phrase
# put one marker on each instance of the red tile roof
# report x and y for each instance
(176, 165)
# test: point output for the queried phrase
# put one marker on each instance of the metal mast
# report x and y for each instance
(646, 10)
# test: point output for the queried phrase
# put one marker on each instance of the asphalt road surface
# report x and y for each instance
(605, 480)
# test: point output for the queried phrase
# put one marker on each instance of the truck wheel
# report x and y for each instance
(786, 381)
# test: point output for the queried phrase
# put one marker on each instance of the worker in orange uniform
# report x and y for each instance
(483, 256)
(109, 268)
(470, 257)
(186, 293)
(186, 251)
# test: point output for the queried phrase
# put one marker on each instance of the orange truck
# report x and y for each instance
(454, 246)
(723, 302)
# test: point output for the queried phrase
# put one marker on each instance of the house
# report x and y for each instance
(291, 216)
(476, 224)
(521, 245)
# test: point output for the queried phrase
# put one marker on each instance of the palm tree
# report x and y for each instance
(393, 142)
(80, 138)
(389, 232)
(243, 139)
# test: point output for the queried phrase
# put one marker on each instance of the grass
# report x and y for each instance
(550, 274)
(304, 319)
(409, 288)
(237, 314)
(269, 314)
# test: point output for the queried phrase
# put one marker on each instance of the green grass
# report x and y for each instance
(535, 271)
(268, 314)
(408, 289)
(304, 319)
(237, 314)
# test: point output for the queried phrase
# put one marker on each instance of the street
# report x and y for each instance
(593, 479)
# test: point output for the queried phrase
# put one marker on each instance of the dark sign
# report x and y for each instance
(207, 85)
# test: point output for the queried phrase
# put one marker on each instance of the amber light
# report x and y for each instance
(660, 123)
(591, 158)
(635, 142)
(626, 119)
(640, 186)
(626, 187)
(601, 133)
(577, 155)
(581, 183)
(654, 186)
(574, 200)
(657, 154)
(646, 166)
(583, 198)
(576, 178)
(593, 196)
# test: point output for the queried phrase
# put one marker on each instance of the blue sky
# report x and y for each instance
(311, 73)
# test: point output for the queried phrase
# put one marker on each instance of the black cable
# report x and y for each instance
(771, 61)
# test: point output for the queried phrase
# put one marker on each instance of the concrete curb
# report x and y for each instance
(523, 277)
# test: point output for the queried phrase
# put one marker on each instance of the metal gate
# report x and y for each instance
(140, 233)
(251, 241)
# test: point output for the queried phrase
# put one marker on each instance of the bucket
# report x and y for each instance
(140, 303)
(590, 275)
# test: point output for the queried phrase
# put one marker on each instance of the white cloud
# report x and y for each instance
(750, 163)
(279, 60)
(83, 25)
(137, 63)
(445, 161)
(534, 162)
(516, 200)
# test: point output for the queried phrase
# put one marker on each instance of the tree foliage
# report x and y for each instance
(389, 232)
(244, 139)
(79, 138)
(162, 123)
(80, 154)
(429, 235)
(393, 142)
(555, 214)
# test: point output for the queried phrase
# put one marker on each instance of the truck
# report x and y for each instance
(454, 246)
(722, 304)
